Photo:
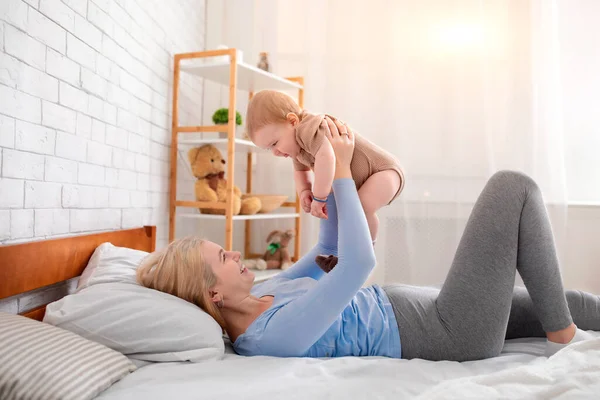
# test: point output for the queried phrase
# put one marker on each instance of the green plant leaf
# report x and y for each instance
(221, 116)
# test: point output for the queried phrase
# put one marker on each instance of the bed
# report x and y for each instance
(519, 372)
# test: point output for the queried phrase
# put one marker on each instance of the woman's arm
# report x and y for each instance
(327, 244)
(294, 328)
(328, 228)
(298, 325)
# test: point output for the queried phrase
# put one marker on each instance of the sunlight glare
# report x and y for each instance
(460, 37)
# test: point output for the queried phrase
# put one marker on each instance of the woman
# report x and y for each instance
(305, 312)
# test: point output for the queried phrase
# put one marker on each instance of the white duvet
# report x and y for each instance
(520, 372)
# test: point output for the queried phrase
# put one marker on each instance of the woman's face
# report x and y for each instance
(280, 139)
(234, 281)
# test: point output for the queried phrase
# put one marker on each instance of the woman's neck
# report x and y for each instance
(239, 317)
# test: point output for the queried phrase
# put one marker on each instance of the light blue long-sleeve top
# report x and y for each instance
(327, 315)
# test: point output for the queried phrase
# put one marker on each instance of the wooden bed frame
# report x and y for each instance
(33, 265)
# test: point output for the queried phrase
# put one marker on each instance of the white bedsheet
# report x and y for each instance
(519, 372)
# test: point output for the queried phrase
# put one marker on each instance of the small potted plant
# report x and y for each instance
(221, 117)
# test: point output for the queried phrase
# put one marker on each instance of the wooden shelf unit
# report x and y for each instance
(237, 76)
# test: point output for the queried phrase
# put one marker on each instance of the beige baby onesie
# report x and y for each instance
(367, 160)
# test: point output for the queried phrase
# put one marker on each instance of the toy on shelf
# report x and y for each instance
(277, 254)
(208, 166)
(221, 117)
(263, 62)
(269, 202)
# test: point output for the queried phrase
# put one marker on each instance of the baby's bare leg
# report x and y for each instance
(375, 193)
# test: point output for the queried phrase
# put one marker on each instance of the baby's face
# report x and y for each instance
(280, 139)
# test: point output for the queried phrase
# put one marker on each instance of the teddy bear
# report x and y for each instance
(277, 254)
(208, 166)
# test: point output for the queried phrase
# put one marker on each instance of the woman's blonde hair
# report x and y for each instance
(269, 107)
(180, 270)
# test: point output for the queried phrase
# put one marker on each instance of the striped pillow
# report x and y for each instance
(41, 361)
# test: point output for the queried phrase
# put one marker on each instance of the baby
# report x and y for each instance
(275, 122)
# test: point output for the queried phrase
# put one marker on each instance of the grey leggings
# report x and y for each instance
(479, 306)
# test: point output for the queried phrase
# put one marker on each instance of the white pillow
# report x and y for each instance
(110, 264)
(111, 308)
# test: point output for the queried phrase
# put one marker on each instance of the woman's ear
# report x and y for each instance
(292, 118)
(215, 297)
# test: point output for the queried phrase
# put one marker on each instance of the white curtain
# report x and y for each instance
(456, 89)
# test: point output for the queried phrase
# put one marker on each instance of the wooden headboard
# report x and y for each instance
(33, 265)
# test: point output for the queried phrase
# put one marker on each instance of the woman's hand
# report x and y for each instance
(342, 141)
(318, 209)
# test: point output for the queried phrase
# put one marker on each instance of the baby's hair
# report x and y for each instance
(269, 107)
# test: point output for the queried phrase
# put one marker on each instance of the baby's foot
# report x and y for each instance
(326, 263)
(552, 347)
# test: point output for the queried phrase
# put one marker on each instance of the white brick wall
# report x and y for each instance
(13, 193)
(73, 98)
(7, 131)
(60, 170)
(84, 126)
(20, 105)
(70, 146)
(59, 13)
(21, 224)
(46, 31)
(1, 36)
(62, 68)
(90, 174)
(58, 117)
(42, 194)
(24, 47)
(51, 222)
(34, 138)
(85, 92)
(20, 164)
(78, 196)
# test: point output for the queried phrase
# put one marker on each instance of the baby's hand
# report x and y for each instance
(318, 209)
(305, 200)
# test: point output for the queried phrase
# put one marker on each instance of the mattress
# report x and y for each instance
(519, 372)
